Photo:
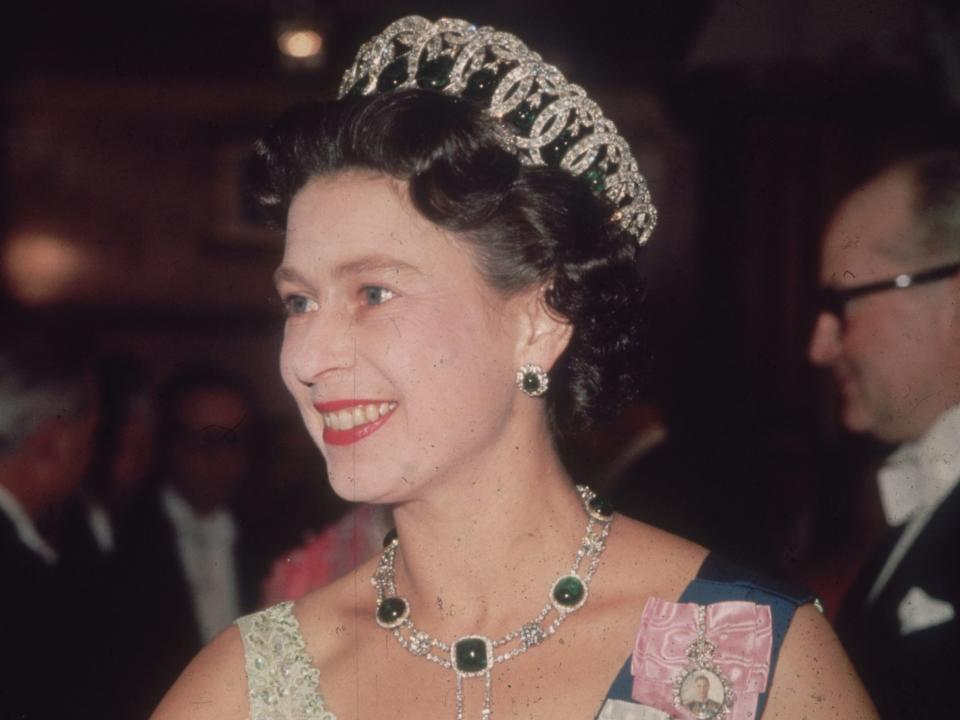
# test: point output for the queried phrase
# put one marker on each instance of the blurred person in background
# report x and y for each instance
(186, 573)
(889, 330)
(123, 454)
(328, 555)
(47, 415)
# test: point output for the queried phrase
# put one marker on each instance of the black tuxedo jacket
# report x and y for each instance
(912, 675)
(47, 652)
(24, 605)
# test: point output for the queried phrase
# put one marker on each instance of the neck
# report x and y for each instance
(480, 556)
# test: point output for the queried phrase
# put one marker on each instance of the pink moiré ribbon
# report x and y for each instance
(742, 632)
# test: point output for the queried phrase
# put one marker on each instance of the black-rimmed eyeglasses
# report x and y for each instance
(833, 300)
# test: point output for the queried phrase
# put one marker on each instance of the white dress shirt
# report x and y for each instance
(101, 528)
(24, 527)
(913, 482)
(206, 547)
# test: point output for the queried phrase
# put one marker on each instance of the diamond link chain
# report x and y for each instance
(421, 644)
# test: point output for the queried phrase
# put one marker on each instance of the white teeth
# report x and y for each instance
(358, 415)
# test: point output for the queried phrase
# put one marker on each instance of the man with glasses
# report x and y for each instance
(188, 569)
(889, 330)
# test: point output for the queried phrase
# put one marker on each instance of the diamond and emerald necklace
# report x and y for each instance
(475, 655)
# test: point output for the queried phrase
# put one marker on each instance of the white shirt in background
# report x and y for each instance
(206, 547)
(24, 527)
(913, 482)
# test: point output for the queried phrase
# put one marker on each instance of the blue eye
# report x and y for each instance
(298, 305)
(375, 295)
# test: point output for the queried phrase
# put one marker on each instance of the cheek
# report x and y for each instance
(459, 347)
(287, 371)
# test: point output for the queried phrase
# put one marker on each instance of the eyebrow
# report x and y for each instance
(374, 263)
(368, 263)
(285, 273)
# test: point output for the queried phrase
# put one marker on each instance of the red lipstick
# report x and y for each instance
(354, 434)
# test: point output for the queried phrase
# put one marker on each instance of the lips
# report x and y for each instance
(349, 421)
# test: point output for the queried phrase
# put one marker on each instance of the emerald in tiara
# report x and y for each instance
(549, 121)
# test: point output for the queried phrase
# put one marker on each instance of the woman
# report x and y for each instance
(462, 213)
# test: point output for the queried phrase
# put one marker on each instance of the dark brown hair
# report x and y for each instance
(526, 225)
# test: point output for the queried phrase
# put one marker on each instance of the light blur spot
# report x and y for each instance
(300, 44)
(41, 268)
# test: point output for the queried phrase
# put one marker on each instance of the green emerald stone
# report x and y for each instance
(393, 75)
(522, 117)
(389, 537)
(569, 591)
(470, 655)
(553, 153)
(531, 383)
(435, 75)
(481, 85)
(596, 180)
(391, 611)
(601, 506)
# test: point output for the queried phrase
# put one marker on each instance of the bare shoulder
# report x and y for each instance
(814, 677)
(328, 617)
(212, 687)
(643, 556)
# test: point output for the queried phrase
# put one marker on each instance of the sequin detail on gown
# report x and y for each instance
(282, 682)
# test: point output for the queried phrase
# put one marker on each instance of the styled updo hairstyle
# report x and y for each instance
(526, 225)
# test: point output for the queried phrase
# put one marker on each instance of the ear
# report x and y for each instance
(952, 310)
(544, 333)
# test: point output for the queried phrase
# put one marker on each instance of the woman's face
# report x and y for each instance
(400, 357)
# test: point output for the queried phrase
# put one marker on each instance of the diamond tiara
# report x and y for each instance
(548, 121)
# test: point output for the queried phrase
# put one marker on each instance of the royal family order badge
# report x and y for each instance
(702, 662)
(702, 688)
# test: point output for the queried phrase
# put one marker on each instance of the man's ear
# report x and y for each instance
(544, 334)
(951, 308)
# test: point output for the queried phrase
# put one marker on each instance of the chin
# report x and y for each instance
(364, 485)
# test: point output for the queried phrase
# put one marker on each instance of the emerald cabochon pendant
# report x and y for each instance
(475, 655)
(569, 593)
(391, 612)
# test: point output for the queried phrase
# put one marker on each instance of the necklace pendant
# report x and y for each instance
(487, 712)
(472, 656)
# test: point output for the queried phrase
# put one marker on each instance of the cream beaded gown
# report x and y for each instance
(283, 684)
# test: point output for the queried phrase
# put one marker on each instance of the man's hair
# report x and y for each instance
(936, 179)
(41, 377)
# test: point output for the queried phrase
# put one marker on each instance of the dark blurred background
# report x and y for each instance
(125, 127)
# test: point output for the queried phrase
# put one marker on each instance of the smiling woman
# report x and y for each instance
(353, 237)
(461, 283)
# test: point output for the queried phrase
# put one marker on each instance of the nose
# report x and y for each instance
(317, 345)
(824, 348)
